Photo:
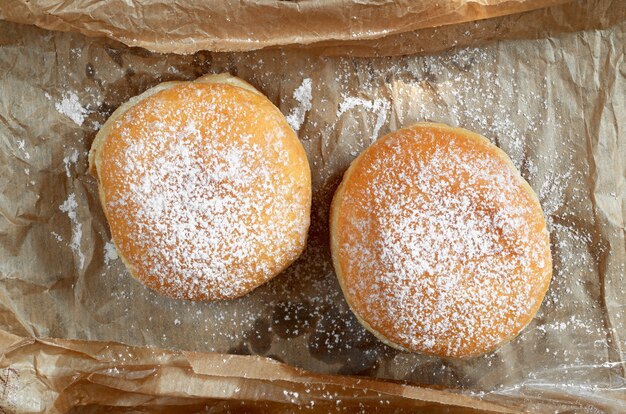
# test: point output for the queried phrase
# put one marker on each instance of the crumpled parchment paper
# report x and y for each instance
(554, 103)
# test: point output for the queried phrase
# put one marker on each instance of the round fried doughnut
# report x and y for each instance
(206, 188)
(439, 244)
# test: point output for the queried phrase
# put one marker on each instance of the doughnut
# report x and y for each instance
(206, 188)
(439, 245)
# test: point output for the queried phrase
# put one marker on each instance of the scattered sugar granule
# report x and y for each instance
(21, 144)
(303, 94)
(69, 206)
(110, 253)
(70, 159)
(71, 107)
(292, 395)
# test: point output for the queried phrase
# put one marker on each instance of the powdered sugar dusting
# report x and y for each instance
(451, 259)
(303, 94)
(21, 144)
(208, 193)
(69, 160)
(70, 106)
(69, 206)
(379, 106)
(552, 194)
(110, 253)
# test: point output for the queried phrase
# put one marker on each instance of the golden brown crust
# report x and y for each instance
(416, 224)
(206, 188)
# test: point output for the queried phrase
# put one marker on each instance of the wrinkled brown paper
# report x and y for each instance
(110, 374)
(554, 104)
(193, 25)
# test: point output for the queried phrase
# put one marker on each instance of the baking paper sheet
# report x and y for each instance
(555, 103)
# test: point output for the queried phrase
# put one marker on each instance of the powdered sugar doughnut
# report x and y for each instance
(206, 188)
(439, 244)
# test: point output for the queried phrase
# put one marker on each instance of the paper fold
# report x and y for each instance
(190, 26)
(72, 374)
